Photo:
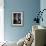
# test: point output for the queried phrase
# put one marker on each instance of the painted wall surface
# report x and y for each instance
(30, 7)
(1, 21)
(43, 6)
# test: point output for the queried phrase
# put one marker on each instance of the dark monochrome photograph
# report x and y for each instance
(17, 18)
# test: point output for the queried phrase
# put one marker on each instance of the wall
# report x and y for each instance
(43, 6)
(1, 21)
(30, 7)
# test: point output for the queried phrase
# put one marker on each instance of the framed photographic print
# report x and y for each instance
(17, 18)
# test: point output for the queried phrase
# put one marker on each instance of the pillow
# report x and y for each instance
(28, 40)
(21, 42)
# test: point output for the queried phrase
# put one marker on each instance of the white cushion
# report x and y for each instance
(20, 42)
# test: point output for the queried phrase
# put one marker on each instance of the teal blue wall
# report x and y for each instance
(29, 7)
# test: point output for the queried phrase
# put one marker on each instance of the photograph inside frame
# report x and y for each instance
(16, 18)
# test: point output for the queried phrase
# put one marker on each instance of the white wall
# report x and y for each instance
(1, 20)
